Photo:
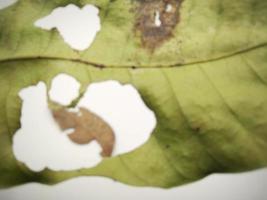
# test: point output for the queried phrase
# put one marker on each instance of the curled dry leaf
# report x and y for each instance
(88, 127)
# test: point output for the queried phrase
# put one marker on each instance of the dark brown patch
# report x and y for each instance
(197, 129)
(88, 127)
(151, 35)
(167, 146)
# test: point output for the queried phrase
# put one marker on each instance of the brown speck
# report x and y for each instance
(197, 129)
(88, 127)
(152, 35)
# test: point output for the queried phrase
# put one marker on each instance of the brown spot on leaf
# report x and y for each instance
(167, 146)
(88, 127)
(153, 35)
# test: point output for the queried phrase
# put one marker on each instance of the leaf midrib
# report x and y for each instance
(102, 66)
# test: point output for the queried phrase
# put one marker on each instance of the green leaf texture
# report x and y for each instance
(206, 85)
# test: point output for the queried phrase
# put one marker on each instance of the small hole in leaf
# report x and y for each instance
(168, 8)
(78, 27)
(157, 19)
(40, 143)
(64, 96)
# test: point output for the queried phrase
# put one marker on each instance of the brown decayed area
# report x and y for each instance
(153, 36)
(88, 127)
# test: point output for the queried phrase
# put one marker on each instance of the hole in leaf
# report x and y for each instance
(63, 96)
(168, 8)
(6, 3)
(157, 19)
(120, 106)
(40, 143)
(78, 27)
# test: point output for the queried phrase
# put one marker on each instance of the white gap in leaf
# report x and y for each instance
(122, 107)
(78, 27)
(64, 89)
(157, 19)
(6, 3)
(168, 8)
(41, 144)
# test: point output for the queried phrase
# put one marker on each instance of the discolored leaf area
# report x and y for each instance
(152, 35)
(205, 82)
(88, 127)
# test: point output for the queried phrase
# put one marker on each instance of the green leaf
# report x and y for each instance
(206, 84)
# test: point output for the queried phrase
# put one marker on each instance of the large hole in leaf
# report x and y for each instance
(40, 143)
(78, 27)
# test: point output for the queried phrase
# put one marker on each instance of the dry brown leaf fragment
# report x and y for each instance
(87, 127)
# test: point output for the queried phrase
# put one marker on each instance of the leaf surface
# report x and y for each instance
(206, 85)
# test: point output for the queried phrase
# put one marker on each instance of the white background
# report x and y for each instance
(245, 186)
